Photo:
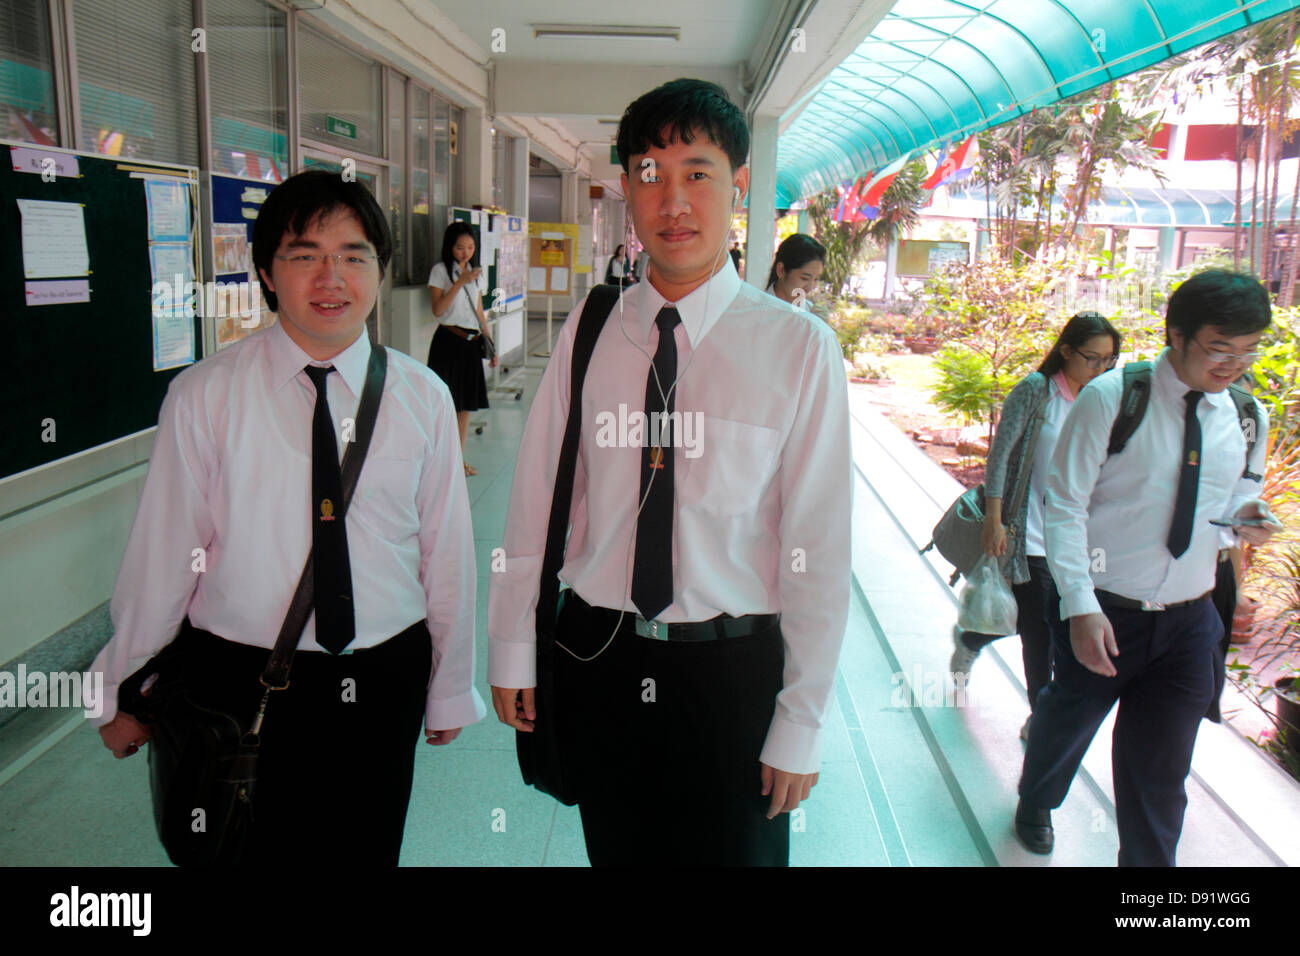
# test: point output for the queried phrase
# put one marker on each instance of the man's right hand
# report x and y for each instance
(1093, 640)
(124, 735)
(515, 706)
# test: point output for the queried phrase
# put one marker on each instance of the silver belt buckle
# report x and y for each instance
(656, 630)
(1152, 606)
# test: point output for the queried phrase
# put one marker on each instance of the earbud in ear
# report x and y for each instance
(735, 195)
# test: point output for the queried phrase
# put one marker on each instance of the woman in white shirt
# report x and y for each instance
(455, 352)
(796, 269)
(1086, 347)
(619, 270)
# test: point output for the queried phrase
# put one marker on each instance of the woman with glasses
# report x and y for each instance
(797, 266)
(1087, 346)
(455, 352)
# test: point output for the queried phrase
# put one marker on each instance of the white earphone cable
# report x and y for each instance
(735, 197)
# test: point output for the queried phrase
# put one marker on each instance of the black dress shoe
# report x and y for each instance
(1034, 828)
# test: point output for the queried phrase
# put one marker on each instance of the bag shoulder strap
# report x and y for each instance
(1137, 394)
(1248, 416)
(276, 673)
(1132, 405)
(600, 302)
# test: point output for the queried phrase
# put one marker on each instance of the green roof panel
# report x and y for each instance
(939, 69)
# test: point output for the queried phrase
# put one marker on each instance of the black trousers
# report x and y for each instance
(1038, 612)
(665, 738)
(1166, 667)
(338, 744)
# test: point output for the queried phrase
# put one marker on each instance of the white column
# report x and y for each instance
(476, 144)
(519, 177)
(759, 245)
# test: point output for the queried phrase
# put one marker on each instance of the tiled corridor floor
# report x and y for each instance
(909, 779)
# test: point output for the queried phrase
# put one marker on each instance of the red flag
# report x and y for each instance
(955, 166)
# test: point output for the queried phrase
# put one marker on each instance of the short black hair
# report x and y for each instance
(304, 198)
(1081, 327)
(796, 251)
(1236, 302)
(681, 110)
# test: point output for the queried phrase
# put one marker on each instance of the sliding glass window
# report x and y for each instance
(248, 74)
(27, 106)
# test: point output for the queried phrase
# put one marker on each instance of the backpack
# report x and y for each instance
(957, 535)
(1133, 405)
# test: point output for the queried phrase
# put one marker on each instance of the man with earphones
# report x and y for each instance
(707, 593)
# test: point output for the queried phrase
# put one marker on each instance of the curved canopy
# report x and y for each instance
(1138, 207)
(934, 69)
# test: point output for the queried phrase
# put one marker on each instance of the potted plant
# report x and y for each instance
(1280, 575)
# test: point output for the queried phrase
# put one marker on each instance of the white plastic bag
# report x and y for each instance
(987, 604)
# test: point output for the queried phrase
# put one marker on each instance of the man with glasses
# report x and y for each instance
(246, 440)
(1133, 553)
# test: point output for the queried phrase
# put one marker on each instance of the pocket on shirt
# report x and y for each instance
(735, 465)
(384, 500)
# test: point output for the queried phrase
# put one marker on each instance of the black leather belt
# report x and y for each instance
(467, 334)
(1131, 604)
(715, 629)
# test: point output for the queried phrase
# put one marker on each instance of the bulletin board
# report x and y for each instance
(236, 202)
(925, 257)
(551, 263)
(87, 360)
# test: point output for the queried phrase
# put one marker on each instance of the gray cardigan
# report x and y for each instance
(1007, 458)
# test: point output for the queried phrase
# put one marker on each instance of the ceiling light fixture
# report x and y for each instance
(579, 31)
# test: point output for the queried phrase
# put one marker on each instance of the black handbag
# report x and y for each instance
(203, 762)
(541, 758)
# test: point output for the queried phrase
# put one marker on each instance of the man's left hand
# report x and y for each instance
(787, 789)
(439, 737)
(1256, 534)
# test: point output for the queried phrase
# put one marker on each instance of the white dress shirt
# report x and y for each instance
(771, 474)
(1058, 406)
(231, 474)
(1108, 517)
(801, 304)
(462, 312)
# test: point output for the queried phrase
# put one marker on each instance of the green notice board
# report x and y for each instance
(81, 372)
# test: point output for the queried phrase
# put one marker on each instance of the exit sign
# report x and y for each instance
(341, 127)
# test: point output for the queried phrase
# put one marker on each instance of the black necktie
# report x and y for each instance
(652, 568)
(332, 573)
(1180, 532)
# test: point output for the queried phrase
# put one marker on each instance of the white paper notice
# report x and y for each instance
(169, 210)
(28, 160)
(59, 292)
(173, 329)
(559, 277)
(54, 239)
(537, 279)
(584, 251)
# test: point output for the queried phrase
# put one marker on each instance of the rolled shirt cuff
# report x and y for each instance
(791, 747)
(512, 663)
(1079, 602)
(449, 713)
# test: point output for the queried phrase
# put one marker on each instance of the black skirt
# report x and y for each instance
(459, 363)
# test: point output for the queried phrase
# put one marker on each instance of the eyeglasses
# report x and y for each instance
(1098, 361)
(350, 262)
(1222, 358)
